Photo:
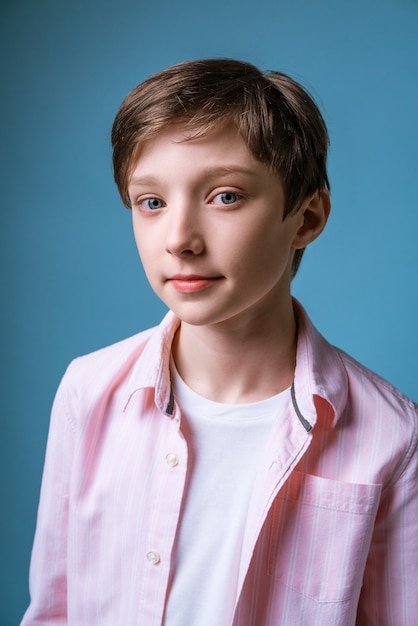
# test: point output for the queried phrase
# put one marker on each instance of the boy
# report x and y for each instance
(228, 467)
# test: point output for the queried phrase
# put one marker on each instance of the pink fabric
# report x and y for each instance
(332, 530)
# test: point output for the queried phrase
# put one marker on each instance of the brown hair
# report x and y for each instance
(279, 121)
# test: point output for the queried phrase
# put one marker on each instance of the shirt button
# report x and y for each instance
(153, 557)
(172, 459)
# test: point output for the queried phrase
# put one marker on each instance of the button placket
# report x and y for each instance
(172, 460)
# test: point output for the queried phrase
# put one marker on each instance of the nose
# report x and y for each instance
(184, 231)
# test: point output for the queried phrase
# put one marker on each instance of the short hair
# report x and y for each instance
(277, 118)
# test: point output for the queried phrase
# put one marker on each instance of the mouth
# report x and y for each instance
(191, 283)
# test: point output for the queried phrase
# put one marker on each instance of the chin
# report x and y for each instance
(196, 315)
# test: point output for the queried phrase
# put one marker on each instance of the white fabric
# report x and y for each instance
(225, 443)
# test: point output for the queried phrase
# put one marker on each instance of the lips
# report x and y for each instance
(191, 283)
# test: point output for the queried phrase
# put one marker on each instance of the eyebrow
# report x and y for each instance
(206, 174)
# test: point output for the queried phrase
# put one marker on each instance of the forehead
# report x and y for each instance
(178, 148)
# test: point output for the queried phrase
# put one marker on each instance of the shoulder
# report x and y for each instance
(373, 418)
(383, 420)
(110, 358)
(342, 380)
(110, 375)
(367, 385)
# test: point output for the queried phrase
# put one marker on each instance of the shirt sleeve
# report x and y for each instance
(48, 569)
(389, 594)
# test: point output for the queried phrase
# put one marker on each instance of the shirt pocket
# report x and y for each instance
(320, 534)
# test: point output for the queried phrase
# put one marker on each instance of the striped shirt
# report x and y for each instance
(331, 534)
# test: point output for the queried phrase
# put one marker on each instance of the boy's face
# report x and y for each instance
(207, 219)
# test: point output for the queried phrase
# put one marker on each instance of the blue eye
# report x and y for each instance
(226, 197)
(152, 204)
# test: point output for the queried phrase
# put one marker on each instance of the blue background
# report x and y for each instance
(71, 279)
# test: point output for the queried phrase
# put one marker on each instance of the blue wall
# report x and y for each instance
(71, 278)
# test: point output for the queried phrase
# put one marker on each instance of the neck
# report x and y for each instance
(241, 362)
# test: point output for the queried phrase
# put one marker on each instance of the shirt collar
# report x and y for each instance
(152, 367)
(320, 375)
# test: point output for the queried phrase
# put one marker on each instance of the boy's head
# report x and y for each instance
(278, 120)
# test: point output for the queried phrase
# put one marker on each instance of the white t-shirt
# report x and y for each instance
(225, 442)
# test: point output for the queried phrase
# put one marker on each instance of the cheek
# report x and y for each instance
(262, 245)
(144, 248)
(144, 240)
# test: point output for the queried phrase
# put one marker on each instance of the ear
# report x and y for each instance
(314, 214)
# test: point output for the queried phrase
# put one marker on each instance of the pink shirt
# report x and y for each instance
(331, 536)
